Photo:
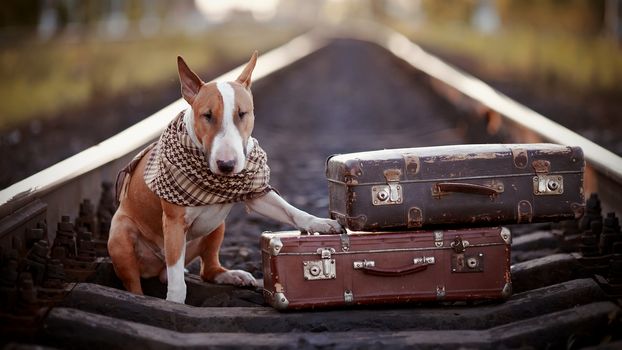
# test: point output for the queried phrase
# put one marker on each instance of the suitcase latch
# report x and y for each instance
(392, 192)
(323, 269)
(544, 185)
(467, 263)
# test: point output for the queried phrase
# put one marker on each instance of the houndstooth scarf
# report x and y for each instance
(178, 172)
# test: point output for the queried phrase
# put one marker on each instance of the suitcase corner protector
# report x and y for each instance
(506, 292)
(279, 301)
(275, 245)
(506, 235)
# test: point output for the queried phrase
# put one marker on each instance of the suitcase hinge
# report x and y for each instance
(345, 241)
(520, 157)
(438, 238)
(323, 269)
(392, 192)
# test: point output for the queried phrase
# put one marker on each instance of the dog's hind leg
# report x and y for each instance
(208, 248)
(122, 250)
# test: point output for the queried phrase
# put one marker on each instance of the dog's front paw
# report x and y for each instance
(236, 278)
(176, 294)
(323, 226)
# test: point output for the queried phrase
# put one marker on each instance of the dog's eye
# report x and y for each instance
(241, 114)
(207, 116)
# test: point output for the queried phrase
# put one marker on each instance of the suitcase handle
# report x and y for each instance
(442, 188)
(393, 272)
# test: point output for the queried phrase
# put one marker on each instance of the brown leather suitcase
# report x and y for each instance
(313, 271)
(456, 185)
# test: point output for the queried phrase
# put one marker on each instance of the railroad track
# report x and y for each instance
(320, 94)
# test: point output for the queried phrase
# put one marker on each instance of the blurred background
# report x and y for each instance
(74, 72)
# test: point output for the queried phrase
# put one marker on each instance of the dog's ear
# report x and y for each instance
(245, 77)
(190, 82)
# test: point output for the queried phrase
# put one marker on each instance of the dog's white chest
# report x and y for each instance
(204, 219)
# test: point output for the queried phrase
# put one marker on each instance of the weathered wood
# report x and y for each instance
(545, 271)
(13, 227)
(78, 329)
(199, 293)
(535, 241)
(184, 318)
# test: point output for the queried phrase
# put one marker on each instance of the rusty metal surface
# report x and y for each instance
(567, 277)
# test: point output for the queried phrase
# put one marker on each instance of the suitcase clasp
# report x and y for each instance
(391, 193)
(548, 185)
(320, 269)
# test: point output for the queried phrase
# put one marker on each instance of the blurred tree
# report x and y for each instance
(574, 16)
(20, 13)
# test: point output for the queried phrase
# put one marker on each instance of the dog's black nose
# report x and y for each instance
(225, 166)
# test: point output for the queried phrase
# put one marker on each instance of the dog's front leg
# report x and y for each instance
(274, 206)
(174, 230)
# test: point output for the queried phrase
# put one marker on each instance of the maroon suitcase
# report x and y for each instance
(456, 185)
(312, 271)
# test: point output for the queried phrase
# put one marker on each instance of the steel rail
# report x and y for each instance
(110, 155)
(88, 168)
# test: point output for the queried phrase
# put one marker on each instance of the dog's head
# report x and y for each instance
(222, 116)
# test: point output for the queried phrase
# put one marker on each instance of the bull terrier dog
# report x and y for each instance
(175, 195)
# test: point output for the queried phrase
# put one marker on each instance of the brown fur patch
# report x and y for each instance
(208, 101)
(243, 103)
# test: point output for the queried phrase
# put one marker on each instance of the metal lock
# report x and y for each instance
(392, 192)
(323, 269)
(387, 194)
(383, 195)
(315, 270)
(471, 263)
(544, 185)
(467, 262)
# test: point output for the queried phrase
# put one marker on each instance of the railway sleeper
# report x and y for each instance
(583, 325)
(118, 304)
